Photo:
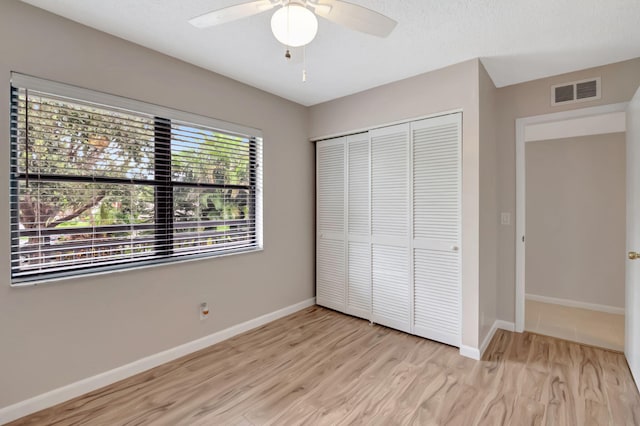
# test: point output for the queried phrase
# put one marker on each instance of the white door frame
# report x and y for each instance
(579, 122)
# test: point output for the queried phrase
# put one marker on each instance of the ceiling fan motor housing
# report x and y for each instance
(294, 25)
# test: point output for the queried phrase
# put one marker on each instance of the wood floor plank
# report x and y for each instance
(491, 369)
(298, 383)
(591, 377)
(231, 393)
(622, 396)
(533, 384)
(540, 354)
(442, 385)
(415, 400)
(372, 408)
(498, 409)
(299, 413)
(595, 414)
(563, 402)
(347, 395)
(319, 367)
(521, 346)
(461, 405)
(527, 412)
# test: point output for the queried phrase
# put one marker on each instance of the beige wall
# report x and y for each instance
(454, 87)
(619, 83)
(488, 204)
(55, 334)
(576, 200)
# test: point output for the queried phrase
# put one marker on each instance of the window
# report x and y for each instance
(101, 183)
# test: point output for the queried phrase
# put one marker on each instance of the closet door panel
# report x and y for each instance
(390, 276)
(436, 228)
(358, 227)
(359, 279)
(437, 295)
(330, 220)
(390, 184)
(358, 187)
(436, 180)
(390, 222)
(330, 193)
(330, 270)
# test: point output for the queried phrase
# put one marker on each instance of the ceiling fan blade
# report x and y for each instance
(232, 13)
(356, 17)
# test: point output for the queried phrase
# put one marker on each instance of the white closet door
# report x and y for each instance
(358, 227)
(390, 227)
(330, 220)
(436, 228)
(359, 280)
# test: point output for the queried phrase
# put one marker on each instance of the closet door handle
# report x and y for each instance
(455, 248)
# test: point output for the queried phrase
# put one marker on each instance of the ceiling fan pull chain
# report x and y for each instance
(304, 64)
(288, 53)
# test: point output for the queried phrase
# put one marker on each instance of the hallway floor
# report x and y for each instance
(594, 328)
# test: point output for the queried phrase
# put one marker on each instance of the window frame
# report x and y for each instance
(162, 181)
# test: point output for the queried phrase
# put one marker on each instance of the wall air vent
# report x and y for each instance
(576, 91)
(588, 89)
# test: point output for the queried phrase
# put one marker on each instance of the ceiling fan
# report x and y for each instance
(294, 23)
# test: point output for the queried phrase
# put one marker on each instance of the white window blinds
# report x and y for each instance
(97, 186)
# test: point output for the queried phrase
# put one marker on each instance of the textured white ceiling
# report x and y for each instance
(518, 40)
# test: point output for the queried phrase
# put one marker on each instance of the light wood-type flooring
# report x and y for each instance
(321, 367)
(600, 329)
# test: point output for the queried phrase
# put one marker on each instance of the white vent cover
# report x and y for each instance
(576, 91)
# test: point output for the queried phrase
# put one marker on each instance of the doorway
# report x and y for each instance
(570, 225)
(575, 209)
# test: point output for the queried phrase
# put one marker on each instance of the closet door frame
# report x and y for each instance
(396, 242)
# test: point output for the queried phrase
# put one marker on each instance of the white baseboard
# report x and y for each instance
(636, 378)
(497, 325)
(73, 390)
(470, 352)
(576, 304)
(487, 338)
(505, 325)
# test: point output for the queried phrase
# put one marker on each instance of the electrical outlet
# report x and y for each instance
(505, 218)
(204, 310)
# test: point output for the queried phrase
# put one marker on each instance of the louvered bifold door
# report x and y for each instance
(330, 220)
(358, 227)
(436, 147)
(390, 253)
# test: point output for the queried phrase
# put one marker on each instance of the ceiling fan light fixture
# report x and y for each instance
(294, 25)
